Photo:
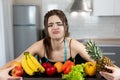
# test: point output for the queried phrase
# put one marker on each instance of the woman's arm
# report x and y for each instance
(34, 49)
(81, 50)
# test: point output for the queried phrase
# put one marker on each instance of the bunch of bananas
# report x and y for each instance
(31, 65)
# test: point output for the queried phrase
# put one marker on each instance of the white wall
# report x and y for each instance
(2, 39)
(6, 35)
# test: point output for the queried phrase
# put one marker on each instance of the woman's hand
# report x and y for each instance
(115, 75)
(4, 75)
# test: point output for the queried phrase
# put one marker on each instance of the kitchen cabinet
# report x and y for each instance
(106, 7)
(117, 7)
(113, 52)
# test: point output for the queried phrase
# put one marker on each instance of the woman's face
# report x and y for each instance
(55, 27)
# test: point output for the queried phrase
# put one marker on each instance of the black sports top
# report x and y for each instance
(77, 59)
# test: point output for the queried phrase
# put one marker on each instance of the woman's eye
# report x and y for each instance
(50, 25)
(57, 24)
(60, 24)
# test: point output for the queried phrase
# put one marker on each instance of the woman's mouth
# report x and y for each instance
(56, 32)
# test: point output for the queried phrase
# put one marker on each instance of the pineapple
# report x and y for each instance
(96, 53)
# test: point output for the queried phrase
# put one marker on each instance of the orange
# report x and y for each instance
(15, 63)
(58, 66)
(90, 68)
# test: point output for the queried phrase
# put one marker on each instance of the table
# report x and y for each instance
(59, 79)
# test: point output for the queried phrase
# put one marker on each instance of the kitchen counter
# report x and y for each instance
(103, 41)
(58, 79)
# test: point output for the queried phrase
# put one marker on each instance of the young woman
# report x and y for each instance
(57, 45)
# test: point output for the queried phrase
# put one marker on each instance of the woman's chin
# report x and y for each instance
(57, 37)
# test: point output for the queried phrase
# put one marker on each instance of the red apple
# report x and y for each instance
(49, 68)
(50, 71)
(17, 71)
(46, 65)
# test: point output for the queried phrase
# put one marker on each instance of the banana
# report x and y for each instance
(26, 67)
(38, 65)
(31, 64)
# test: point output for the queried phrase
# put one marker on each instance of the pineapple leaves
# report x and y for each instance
(93, 50)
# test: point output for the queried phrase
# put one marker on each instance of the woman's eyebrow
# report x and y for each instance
(50, 23)
(55, 22)
(58, 22)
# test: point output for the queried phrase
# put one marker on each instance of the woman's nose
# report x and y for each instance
(55, 26)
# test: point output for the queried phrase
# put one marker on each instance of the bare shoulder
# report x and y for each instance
(39, 43)
(76, 42)
(76, 45)
(36, 47)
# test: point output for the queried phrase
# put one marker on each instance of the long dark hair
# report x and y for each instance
(47, 40)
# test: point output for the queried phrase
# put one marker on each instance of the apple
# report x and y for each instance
(50, 71)
(17, 71)
(46, 65)
(49, 68)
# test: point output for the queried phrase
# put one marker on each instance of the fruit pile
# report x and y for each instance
(80, 71)
(31, 66)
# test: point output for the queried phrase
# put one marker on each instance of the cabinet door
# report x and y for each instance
(117, 7)
(113, 52)
(103, 7)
